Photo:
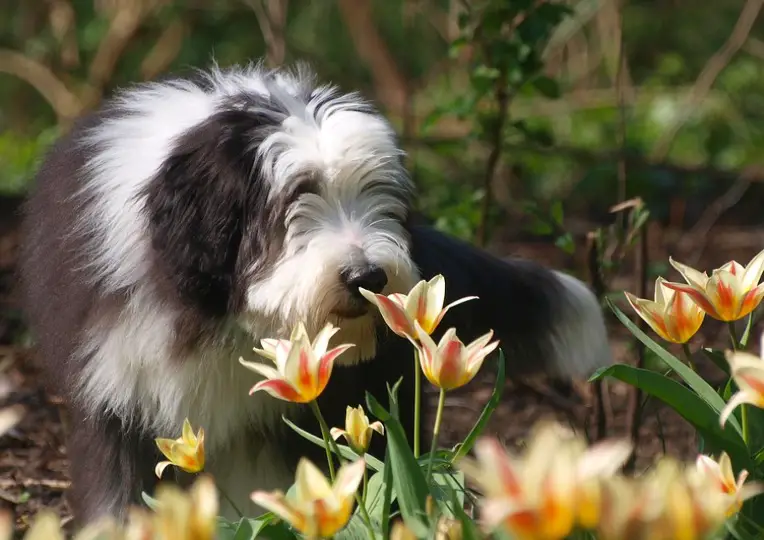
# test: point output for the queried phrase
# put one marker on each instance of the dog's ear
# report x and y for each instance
(546, 321)
(197, 204)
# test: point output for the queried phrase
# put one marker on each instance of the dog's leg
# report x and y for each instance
(110, 464)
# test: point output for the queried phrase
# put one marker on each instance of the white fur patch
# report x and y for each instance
(580, 339)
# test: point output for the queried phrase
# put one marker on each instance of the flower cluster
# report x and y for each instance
(559, 485)
(731, 293)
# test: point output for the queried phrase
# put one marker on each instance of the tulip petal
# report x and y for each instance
(429, 310)
(723, 291)
(698, 296)
(751, 381)
(336, 433)
(161, 466)
(736, 400)
(393, 314)
(348, 479)
(753, 272)
(280, 389)
(321, 343)
(276, 502)
(751, 301)
(310, 483)
(604, 458)
(652, 314)
(692, 277)
(439, 317)
(266, 371)
(378, 427)
(188, 433)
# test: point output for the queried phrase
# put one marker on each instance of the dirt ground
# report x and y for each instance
(33, 464)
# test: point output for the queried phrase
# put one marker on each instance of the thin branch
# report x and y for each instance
(390, 82)
(65, 103)
(165, 50)
(271, 17)
(708, 76)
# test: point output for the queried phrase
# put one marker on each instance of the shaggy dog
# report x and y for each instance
(187, 219)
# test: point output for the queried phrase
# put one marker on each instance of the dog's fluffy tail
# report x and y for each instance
(547, 321)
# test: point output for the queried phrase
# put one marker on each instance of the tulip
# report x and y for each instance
(401, 532)
(182, 516)
(450, 364)
(302, 368)
(673, 315)
(186, 453)
(748, 372)
(423, 305)
(555, 486)
(358, 430)
(731, 293)
(317, 508)
(723, 478)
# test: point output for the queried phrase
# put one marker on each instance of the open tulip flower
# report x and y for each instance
(748, 372)
(732, 292)
(317, 508)
(450, 364)
(186, 453)
(673, 315)
(302, 368)
(423, 305)
(723, 478)
(358, 430)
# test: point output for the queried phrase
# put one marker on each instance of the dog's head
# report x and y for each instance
(281, 203)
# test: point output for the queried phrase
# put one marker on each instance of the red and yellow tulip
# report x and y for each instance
(673, 315)
(548, 491)
(748, 372)
(722, 477)
(317, 508)
(422, 305)
(731, 293)
(450, 364)
(358, 430)
(186, 453)
(302, 367)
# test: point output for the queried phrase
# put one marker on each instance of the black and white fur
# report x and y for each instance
(171, 230)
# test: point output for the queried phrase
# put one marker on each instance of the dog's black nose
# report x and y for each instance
(369, 277)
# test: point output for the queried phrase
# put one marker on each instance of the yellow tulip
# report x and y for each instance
(732, 292)
(358, 430)
(673, 315)
(422, 305)
(401, 532)
(302, 367)
(723, 478)
(186, 453)
(317, 508)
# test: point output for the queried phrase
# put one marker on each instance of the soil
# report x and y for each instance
(33, 463)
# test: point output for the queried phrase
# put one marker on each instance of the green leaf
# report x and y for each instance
(389, 496)
(482, 421)
(376, 506)
(345, 450)
(704, 390)
(408, 480)
(566, 243)
(547, 87)
(448, 491)
(354, 530)
(686, 403)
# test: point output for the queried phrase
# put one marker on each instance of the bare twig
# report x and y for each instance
(271, 17)
(390, 83)
(707, 77)
(65, 103)
(165, 50)
(497, 138)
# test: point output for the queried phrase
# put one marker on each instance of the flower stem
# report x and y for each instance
(436, 432)
(733, 335)
(327, 438)
(417, 401)
(688, 355)
(743, 408)
(230, 501)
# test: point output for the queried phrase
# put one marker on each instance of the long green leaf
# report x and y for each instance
(482, 421)
(408, 479)
(387, 503)
(704, 390)
(686, 403)
(345, 450)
